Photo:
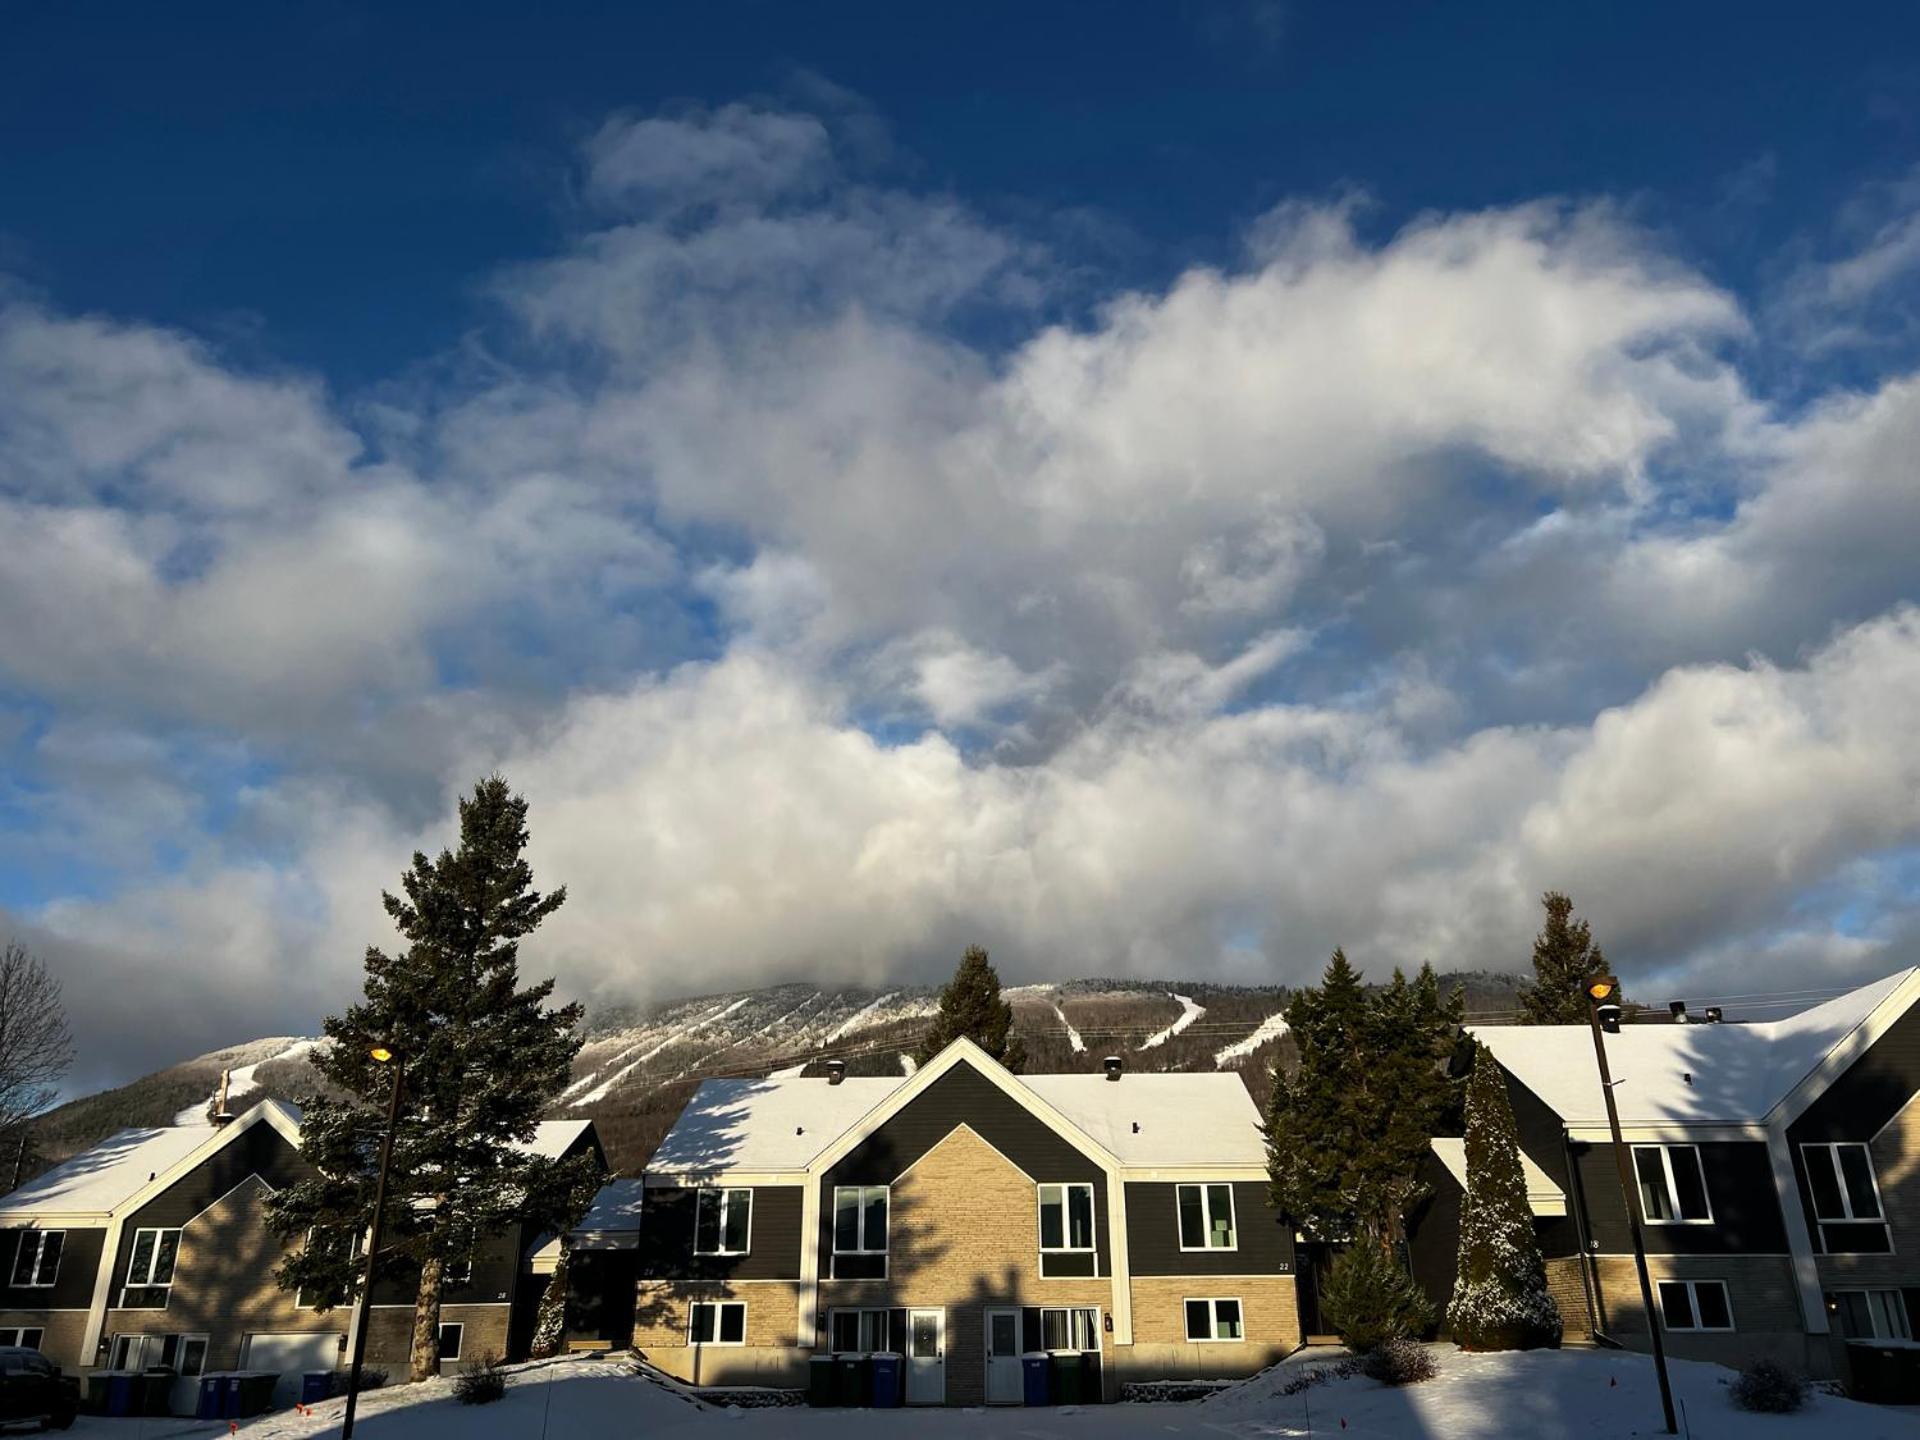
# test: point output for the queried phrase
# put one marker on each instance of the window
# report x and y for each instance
(1870, 1314)
(191, 1356)
(723, 1222)
(1206, 1217)
(1842, 1181)
(1695, 1305)
(1673, 1190)
(154, 1253)
(859, 1332)
(718, 1323)
(37, 1261)
(458, 1269)
(1214, 1320)
(1066, 1217)
(1061, 1329)
(125, 1347)
(860, 1220)
(451, 1337)
(26, 1338)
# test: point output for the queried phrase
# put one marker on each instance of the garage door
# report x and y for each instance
(292, 1356)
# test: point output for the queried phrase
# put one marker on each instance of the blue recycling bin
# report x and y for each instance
(120, 1392)
(315, 1386)
(212, 1389)
(888, 1373)
(230, 1398)
(1034, 1372)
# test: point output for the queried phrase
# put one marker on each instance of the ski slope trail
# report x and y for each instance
(1190, 1011)
(1271, 1028)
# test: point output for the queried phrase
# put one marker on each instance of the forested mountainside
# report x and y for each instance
(638, 1067)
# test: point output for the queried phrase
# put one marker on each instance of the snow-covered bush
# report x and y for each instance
(480, 1382)
(1369, 1299)
(1768, 1388)
(1399, 1361)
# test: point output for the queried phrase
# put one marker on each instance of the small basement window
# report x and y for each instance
(1206, 1217)
(1214, 1320)
(721, 1322)
(1066, 1217)
(1695, 1305)
(451, 1338)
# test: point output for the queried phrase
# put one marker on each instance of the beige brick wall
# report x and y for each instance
(1566, 1282)
(390, 1336)
(770, 1357)
(1760, 1288)
(65, 1332)
(1270, 1318)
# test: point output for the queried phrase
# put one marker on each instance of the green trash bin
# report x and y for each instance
(820, 1380)
(1091, 1390)
(1069, 1379)
(852, 1380)
(256, 1391)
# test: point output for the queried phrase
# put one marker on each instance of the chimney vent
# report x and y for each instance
(836, 1071)
(1713, 1014)
(221, 1115)
(1678, 1009)
(1112, 1064)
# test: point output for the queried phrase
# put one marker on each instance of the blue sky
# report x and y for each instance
(1159, 489)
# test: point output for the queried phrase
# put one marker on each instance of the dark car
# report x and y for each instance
(34, 1392)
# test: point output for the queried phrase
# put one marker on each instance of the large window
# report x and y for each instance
(1870, 1314)
(860, 1332)
(718, 1323)
(1050, 1328)
(860, 1220)
(1842, 1181)
(37, 1261)
(1066, 1217)
(1695, 1305)
(723, 1222)
(1210, 1320)
(1673, 1190)
(1206, 1217)
(183, 1354)
(154, 1254)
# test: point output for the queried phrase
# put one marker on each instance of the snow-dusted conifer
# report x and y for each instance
(1500, 1297)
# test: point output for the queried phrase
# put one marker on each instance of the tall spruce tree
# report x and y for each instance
(483, 1056)
(970, 1005)
(1500, 1297)
(1564, 959)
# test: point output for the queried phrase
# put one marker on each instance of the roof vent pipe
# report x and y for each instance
(1112, 1064)
(1713, 1014)
(1678, 1009)
(221, 1115)
(836, 1071)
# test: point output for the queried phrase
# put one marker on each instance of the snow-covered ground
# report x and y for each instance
(1545, 1395)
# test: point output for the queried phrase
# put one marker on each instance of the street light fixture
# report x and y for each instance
(1603, 1015)
(381, 1054)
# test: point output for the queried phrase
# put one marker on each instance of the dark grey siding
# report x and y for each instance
(1541, 1131)
(72, 1287)
(1740, 1190)
(666, 1238)
(963, 1096)
(1433, 1233)
(1153, 1234)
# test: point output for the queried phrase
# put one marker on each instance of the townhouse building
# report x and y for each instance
(152, 1249)
(1776, 1167)
(963, 1216)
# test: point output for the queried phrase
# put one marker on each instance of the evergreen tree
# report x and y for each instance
(1371, 1299)
(482, 1059)
(1564, 960)
(1500, 1297)
(970, 1005)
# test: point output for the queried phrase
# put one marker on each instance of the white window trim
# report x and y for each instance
(460, 1344)
(20, 1333)
(1693, 1300)
(720, 1230)
(1673, 1191)
(1212, 1303)
(206, 1353)
(1066, 1219)
(39, 1256)
(1069, 1311)
(716, 1306)
(1206, 1217)
(1833, 1149)
(861, 1222)
(1893, 1290)
(149, 1283)
(839, 1310)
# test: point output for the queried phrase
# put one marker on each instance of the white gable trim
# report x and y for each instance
(1849, 1048)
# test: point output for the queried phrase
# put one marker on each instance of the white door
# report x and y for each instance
(1004, 1386)
(926, 1357)
(290, 1356)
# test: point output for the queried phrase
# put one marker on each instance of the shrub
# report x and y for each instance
(1320, 1375)
(1399, 1361)
(1369, 1299)
(372, 1377)
(480, 1382)
(1769, 1388)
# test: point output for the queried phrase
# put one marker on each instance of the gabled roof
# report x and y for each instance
(1543, 1196)
(553, 1138)
(100, 1180)
(1172, 1119)
(1693, 1074)
(779, 1123)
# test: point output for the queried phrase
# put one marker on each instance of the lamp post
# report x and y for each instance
(1603, 1014)
(383, 1056)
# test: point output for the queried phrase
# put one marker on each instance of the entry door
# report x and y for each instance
(926, 1357)
(1003, 1358)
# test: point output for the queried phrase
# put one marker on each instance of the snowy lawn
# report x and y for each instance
(1593, 1395)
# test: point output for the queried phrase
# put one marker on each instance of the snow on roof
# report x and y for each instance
(616, 1207)
(772, 1124)
(97, 1181)
(1543, 1196)
(1692, 1074)
(552, 1137)
(1171, 1118)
